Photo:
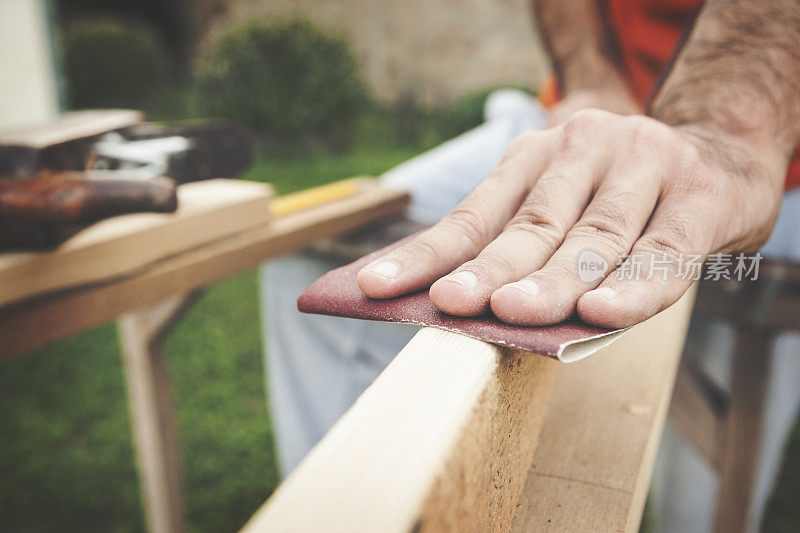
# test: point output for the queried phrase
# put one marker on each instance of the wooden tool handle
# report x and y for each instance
(44, 210)
(69, 197)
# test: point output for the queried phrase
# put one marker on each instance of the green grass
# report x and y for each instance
(66, 456)
(66, 459)
(289, 175)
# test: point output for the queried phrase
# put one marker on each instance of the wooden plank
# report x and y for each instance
(439, 442)
(153, 411)
(31, 324)
(592, 468)
(742, 441)
(70, 127)
(208, 210)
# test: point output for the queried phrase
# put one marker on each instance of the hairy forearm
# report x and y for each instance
(576, 41)
(739, 75)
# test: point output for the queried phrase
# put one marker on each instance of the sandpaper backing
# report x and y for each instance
(337, 294)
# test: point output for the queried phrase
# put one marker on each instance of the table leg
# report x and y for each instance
(153, 411)
(751, 363)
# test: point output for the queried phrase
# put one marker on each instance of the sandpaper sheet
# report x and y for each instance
(337, 294)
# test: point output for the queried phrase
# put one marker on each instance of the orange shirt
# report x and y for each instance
(646, 34)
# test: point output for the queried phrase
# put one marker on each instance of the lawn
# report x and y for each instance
(66, 457)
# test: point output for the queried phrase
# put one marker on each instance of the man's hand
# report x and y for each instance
(705, 177)
(602, 182)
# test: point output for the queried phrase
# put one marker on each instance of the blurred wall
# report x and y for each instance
(28, 90)
(433, 50)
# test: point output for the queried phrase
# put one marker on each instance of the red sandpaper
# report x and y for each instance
(337, 293)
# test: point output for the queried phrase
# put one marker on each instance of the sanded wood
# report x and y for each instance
(440, 441)
(208, 210)
(592, 467)
(35, 323)
(152, 410)
(70, 127)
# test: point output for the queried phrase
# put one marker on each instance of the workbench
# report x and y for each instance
(143, 270)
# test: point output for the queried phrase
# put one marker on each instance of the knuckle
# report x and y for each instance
(668, 242)
(580, 130)
(599, 231)
(556, 180)
(647, 136)
(501, 175)
(608, 222)
(585, 119)
(540, 226)
(521, 143)
(550, 186)
(494, 263)
(691, 157)
(579, 127)
(422, 248)
(469, 223)
(560, 269)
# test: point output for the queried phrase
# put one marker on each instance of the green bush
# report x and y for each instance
(288, 80)
(411, 120)
(464, 113)
(109, 63)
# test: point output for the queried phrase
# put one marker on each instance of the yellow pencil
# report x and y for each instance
(315, 196)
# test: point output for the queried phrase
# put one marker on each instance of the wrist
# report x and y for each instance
(750, 124)
(738, 154)
(592, 72)
(608, 98)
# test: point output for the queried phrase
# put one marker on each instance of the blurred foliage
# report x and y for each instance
(298, 88)
(464, 113)
(166, 16)
(288, 80)
(418, 125)
(410, 120)
(110, 63)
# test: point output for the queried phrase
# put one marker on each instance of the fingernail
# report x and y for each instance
(464, 278)
(606, 292)
(526, 285)
(387, 269)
